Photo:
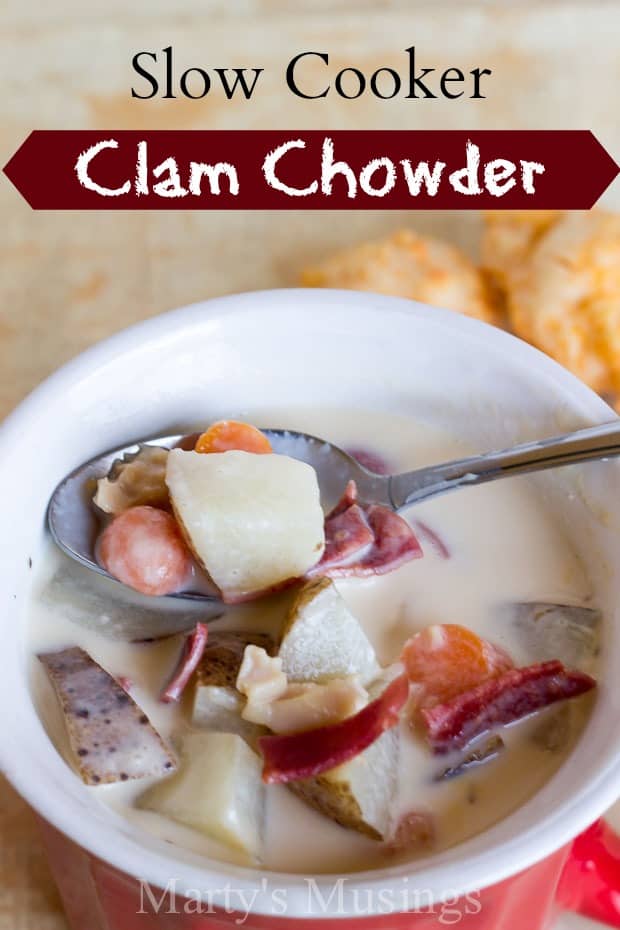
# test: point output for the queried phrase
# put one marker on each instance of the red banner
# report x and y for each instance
(316, 170)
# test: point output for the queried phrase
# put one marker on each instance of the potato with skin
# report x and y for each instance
(323, 640)
(358, 794)
(253, 521)
(217, 703)
(407, 264)
(111, 737)
(217, 790)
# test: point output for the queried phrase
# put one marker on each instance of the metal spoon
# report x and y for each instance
(74, 525)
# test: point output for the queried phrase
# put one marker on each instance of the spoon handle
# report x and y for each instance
(598, 442)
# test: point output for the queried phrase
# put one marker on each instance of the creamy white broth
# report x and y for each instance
(504, 547)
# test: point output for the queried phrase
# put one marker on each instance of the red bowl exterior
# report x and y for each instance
(584, 877)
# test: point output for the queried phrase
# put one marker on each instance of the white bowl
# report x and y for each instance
(279, 349)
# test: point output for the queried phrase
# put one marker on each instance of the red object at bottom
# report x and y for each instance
(590, 882)
(584, 877)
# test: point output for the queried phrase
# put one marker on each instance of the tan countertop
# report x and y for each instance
(69, 279)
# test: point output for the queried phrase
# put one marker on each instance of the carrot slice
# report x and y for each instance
(227, 435)
(143, 547)
(445, 660)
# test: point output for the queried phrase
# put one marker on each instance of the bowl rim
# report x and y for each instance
(463, 877)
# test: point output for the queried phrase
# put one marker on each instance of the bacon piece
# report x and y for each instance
(395, 542)
(349, 497)
(295, 756)
(193, 650)
(348, 536)
(364, 539)
(434, 540)
(499, 701)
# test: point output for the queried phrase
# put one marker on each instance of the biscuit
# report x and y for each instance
(407, 264)
(509, 238)
(563, 294)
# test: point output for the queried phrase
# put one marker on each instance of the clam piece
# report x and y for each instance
(134, 480)
(308, 705)
(260, 677)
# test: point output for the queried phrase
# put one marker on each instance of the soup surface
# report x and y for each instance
(487, 552)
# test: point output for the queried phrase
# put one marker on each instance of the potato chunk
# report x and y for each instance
(322, 639)
(358, 794)
(218, 790)
(111, 737)
(253, 521)
(217, 703)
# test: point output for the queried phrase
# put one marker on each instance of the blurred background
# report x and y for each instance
(69, 279)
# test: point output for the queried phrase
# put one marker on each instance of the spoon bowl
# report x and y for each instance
(75, 526)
